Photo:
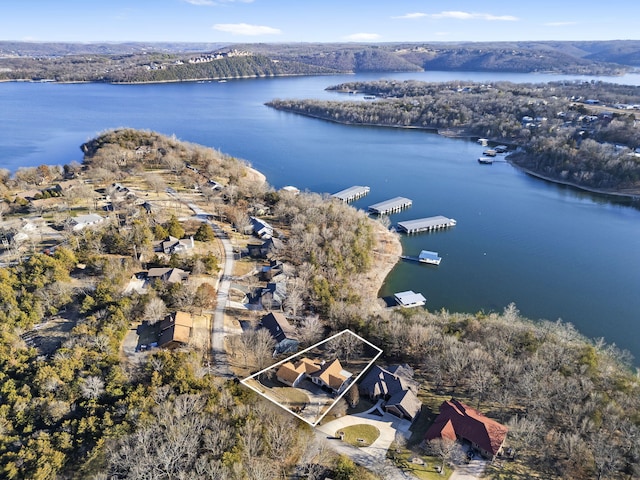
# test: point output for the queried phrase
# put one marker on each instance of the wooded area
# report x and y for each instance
(173, 62)
(82, 411)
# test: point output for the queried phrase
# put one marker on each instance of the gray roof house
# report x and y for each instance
(396, 387)
(404, 404)
(175, 245)
(281, 331)
(166, 274)
(386, 382)
(261, 228)
(83, 221)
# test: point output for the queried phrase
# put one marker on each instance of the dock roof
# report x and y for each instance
(351, 193)
(429, 255)
(409, 298)
(426, 223)
(391, 204)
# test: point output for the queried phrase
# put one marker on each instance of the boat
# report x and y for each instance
(501, 148)
(489, 153)
(369, 97)
(485, 160)
(222, 81)
(483, 141)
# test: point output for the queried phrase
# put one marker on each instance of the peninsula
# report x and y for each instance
(139, 286)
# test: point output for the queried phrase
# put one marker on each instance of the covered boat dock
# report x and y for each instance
(426, 224)
(409, 299)
(390, 206)
(352, 193)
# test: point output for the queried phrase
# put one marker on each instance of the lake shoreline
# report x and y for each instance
(465, 134)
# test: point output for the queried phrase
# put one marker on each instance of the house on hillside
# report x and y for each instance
(458, 421)
(281, 331)
(175, 330)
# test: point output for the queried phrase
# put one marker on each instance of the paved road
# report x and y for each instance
(218, 331)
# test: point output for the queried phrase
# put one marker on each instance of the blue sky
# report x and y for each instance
(317, 20)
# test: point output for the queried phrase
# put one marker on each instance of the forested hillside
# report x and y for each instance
(159, 62)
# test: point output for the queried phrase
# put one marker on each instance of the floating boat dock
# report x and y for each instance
(425, 256)
(426, 224)
(409, 299)
(390, 206)
(352, 193)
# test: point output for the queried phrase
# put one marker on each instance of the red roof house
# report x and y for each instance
(459, 421)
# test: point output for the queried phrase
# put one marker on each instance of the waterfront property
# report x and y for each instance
(409, 299)
(426, 224)
(352, 193)
(390, 206)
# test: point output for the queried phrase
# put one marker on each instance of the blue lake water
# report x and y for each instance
(554, 251)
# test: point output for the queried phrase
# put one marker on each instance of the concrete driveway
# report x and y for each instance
(387, 424)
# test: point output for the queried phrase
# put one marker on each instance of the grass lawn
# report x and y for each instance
(367, 433)
(424, 471)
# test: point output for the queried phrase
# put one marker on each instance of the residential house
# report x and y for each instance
(332, 376)
(274, 295)
(329, 375)
(83, 221)
(292, 374)
(261, 228)
(404, 404)
(175, 330)
(268, 272)
(458, 421)
(396, 387)
(175, 245)
(383, 383)
(167, 275)
(267, 249)
(281, 331)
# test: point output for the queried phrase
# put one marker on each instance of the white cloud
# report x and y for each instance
(362, 37)
(411, 16)
(474, 16)
(246, 29)
(559, 24)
